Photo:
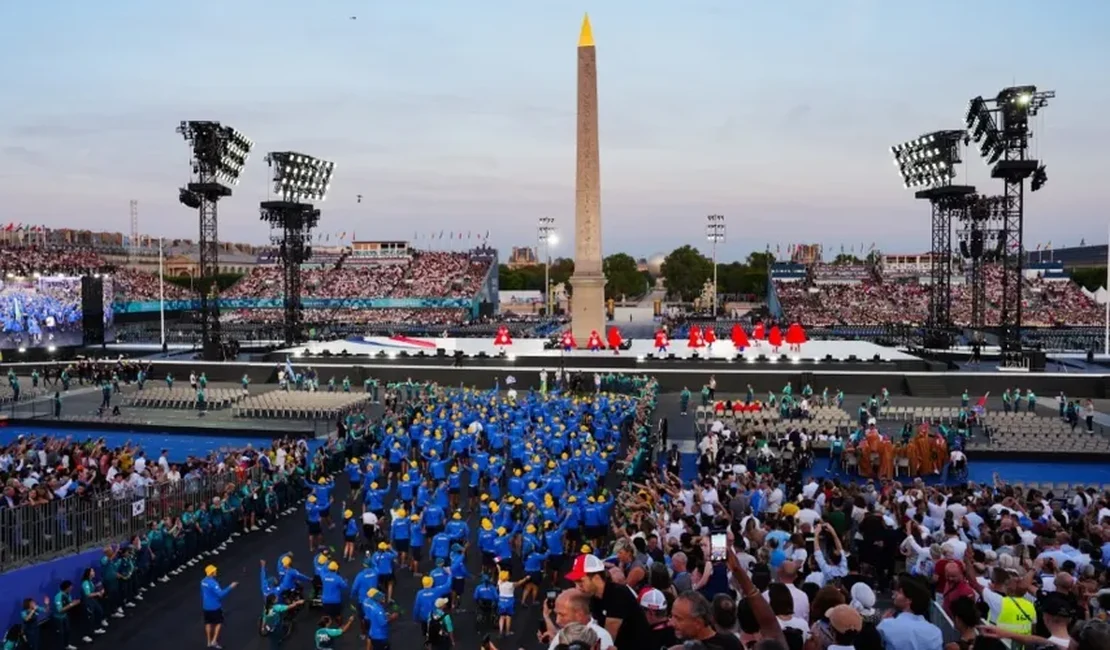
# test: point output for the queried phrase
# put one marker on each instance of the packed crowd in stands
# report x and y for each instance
(1046, 303)
(68, 260)
(429, 275)
(137, 286)
(445, 317)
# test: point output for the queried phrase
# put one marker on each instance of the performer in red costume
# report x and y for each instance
(568, 341)
(696, 340)
(502, 338)
(758, 333)
(615, 340)
(795, 337)
(710, 338)
(594, 342)
(739, 337)
(775, 338)
(661, 341)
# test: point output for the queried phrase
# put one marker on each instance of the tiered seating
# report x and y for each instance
(1025, 431)
(828, 299)
(299, 405)
(824, 419)
(162, 397)
(137, 286)
(25, 393)
(943, 414)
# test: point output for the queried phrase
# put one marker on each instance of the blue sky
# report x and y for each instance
(458, 115)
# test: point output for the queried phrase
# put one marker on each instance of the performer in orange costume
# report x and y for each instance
(886, 459)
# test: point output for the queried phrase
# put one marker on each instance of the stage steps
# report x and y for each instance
(927, 386)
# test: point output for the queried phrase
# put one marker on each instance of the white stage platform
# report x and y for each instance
(372, 345)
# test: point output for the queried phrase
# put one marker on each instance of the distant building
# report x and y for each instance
(522, 256)
(1072, 257)
(912, 264)
(807, 254)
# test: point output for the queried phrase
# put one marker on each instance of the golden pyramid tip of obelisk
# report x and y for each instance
(586, 37)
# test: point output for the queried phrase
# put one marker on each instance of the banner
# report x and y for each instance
(309, 303)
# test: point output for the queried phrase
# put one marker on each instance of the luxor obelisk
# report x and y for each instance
(587, 312)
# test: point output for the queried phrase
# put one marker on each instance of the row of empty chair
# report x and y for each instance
(1042, 442)
(182, 397)
(920, 413)
(7, 395)
(299, 405)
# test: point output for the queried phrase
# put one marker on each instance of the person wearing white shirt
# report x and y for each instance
(140, 463)
(774, 500)
(807, 515)
(164, 461)
(709, 500)
(809, 490)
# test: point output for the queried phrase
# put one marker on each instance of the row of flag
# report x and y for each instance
(22, 227)
(798, 248)
(446, 234)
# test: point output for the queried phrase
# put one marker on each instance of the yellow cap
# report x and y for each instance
(372, 592)
(321, 559)
(487, 524)
(286, 561)
(347, 514)
(333, 566)
(405, 477)
(355, 460)
(322, 480)
(484, 497)
(504, 576)
(415, 518)
(210, 570)
(501, 530)
(401, 513)
(312, 498)
(530, 529)
(586, 549)
(457, 516)
(374, 485)
(427, 581)
(383, 546)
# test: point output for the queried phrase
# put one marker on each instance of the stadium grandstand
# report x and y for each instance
(361, 288)
(863, 300)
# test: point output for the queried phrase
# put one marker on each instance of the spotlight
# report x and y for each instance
(299, 178)
(51, 349)
(22, 350)
(217, 148)
(929, 160)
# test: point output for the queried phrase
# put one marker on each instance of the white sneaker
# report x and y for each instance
(71, 647)
(138, 597)
(118, 614)
(142, 590)
(130, 605)
(100, 631)
(164, 579)
(86, 639)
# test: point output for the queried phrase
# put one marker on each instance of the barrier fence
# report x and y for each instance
(38, 533)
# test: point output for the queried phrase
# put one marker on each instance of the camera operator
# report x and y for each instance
(571, 606)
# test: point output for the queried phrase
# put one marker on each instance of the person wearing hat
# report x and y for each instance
(211, 603)
(845, 625)
(384, 560)
(624, 618)
(332, 587)
(440, 632)
(660, 631)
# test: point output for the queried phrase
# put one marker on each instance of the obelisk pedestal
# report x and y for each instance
(587, 306)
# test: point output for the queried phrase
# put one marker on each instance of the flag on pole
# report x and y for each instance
(487, 234)
(981, 406)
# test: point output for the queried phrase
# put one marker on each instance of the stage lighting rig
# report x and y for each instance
(219, 155)
(1001, 127)
(929, 162)
(298, 179)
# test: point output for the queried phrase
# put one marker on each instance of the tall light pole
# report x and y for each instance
(715, 233)
(546, 235)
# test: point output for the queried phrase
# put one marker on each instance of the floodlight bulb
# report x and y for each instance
(1023, 99)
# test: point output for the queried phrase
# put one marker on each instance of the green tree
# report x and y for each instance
(622, 278)
(1091, 278)
(846, 258)
(685, 271)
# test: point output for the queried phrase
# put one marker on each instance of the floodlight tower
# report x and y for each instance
(546, 235)
(298, 180)
(1001, 128)
(715, 234)
(930, 162)
(219, 154)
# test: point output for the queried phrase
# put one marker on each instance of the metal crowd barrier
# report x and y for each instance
(31, 534)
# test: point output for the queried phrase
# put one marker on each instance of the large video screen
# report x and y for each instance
(38, 312)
